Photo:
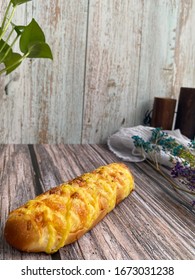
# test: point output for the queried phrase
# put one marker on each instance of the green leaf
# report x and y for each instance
(3, 45)
(31, 35)
(40, 50)
(12, 62)
(19, 2)
(1, 56)
(18, 28)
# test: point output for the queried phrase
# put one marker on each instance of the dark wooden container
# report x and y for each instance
(185, 119)
(163, 112)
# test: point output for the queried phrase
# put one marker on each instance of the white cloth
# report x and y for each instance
(121, 143)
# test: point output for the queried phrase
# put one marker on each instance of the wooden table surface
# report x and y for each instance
(154, 222)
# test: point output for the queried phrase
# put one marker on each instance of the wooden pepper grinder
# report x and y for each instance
(163, 112)
(185, 119)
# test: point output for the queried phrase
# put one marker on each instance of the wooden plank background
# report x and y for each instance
(111, 58)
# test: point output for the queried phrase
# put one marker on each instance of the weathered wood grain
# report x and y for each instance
(156, 71)
(44, 102)
(59, 89)
(154, 222)
(17, 185)
(184, 74)
(111, 58)
(113, 51)
(14, 111)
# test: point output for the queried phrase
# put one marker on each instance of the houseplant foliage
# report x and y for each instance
(29, 39)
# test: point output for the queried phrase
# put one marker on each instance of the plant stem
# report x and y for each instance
(169, 180)
(8, 22)
(6, 42)
(5, 15)
(10, 48)
(14, 64)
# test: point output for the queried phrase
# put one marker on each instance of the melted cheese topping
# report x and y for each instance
(74, 206)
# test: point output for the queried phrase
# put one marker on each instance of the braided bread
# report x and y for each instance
(63, 214)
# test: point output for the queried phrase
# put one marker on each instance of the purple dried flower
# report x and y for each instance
(186, 173)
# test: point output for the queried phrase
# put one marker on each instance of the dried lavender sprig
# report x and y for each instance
(169, 180)
(187, 173)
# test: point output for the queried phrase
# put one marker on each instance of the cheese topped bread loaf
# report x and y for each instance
(63, 214)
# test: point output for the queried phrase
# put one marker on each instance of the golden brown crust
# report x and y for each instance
(63, 214)
(20, 233)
